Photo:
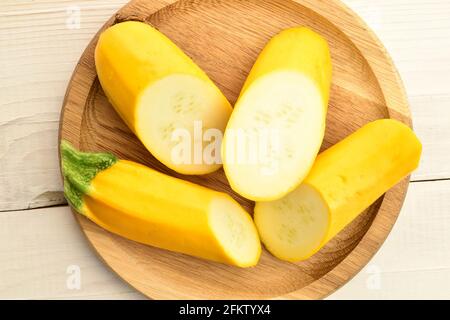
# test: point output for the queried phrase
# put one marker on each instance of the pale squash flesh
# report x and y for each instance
(344, 181)
(278, 124)
(144, 205)
(157, 89)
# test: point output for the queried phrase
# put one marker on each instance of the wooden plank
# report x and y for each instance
(37, 57)
(414, 285)
(40, 46)
(39, 52)
(431, 117)
(414, 262)
(40, 251)
(37, 246)
(417, 35)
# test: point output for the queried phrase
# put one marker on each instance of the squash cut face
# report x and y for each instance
(277, 126)
(292, 228)
(172, 116)
(235, 232)
(274, 135)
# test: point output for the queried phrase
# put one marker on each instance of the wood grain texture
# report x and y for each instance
(416, 34)
(39, 53)
(37, 246)
(37, 251)
(415, 260)
(39, 48)
(365, 87)
(431, 116)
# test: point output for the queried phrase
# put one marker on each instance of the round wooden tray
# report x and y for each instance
(224, 37)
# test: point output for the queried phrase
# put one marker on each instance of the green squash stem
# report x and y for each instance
(79, 169)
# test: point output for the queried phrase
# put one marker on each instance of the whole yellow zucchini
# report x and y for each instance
(344, 181)
(149, 207)
(157, 89)
(278, 123)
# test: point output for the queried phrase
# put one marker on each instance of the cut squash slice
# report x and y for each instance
(278, 124)
(344, 181)
(160, 92)
(144, 205)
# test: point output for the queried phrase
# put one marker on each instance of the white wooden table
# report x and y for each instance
(41, 246)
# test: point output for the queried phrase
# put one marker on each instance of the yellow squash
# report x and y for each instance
(278, 123)
(161, 94)
(344, 181)
(149, 207)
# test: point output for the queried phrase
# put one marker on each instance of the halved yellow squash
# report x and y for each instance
(161, 94)
(344, 181)
(278, 123)
(146, 206)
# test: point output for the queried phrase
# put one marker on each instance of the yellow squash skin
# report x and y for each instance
(287, 91)
(298, 49)
(132, 58)
(354, 173)
(344, 181)
(146, 206)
